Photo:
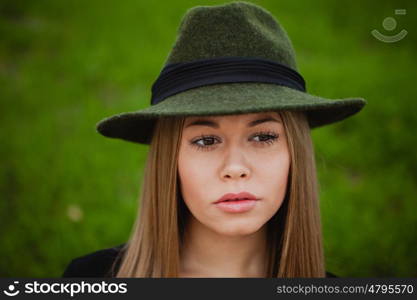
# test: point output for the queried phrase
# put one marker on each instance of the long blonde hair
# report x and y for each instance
(295, 247)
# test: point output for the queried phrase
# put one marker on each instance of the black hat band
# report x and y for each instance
(179, 77)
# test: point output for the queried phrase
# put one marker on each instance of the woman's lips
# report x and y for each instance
(236, 206)
(237, 203)
(240, 196)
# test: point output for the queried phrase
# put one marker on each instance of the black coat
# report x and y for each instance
(99, 264)
(95, 264)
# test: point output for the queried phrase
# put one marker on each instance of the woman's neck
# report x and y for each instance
(206, 253)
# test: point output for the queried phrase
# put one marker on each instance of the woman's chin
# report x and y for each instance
(237, 230)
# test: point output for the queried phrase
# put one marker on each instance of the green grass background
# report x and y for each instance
(66, 191)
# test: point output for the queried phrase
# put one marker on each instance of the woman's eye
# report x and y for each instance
(268, 138)
(207, 141)
(204, 143)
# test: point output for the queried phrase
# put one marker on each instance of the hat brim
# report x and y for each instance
(224, 99)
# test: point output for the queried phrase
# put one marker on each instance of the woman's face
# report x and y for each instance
(233, 154)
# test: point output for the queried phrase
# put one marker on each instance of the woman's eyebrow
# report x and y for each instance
(209, 123)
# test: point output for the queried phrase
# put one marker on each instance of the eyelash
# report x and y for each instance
(272, 139)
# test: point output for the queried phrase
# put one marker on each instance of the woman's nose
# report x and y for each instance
(233, 174)
(235, 165)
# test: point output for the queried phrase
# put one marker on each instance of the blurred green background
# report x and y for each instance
(67, 191)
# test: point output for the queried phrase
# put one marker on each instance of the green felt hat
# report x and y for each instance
(228, 59)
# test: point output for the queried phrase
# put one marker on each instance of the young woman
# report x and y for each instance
(230, 185)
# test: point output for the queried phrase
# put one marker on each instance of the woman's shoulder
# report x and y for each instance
(330, 275)
(95, 264)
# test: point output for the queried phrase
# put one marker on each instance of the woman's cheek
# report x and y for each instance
(194, 173)
(195, 167)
